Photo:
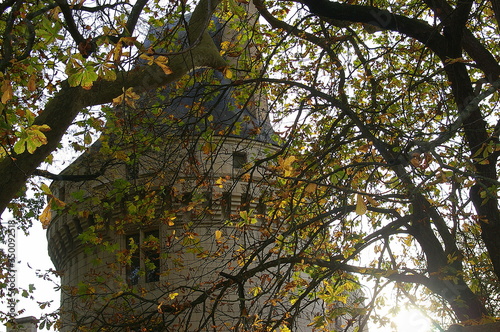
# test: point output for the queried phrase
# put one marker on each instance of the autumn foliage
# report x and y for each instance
(382, 177)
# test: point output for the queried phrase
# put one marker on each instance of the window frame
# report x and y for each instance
(141, 256)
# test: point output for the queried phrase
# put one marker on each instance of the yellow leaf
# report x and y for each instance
(288, 161)
(46, 215)
(218, 234)
(228, 73)
(244, 215)
(173, 295)
(360, 205)
(208, 148)
(129, 96)
(311, 187)
(166, 69)
(286, 165)
(7, 92)
(219, 182)
(170, 221)
(118, 100)
(161, 61)
(148, 58)
(42, 128)
(129, 41)
(32, 83)
(364, 148)
(58, 202)
(372, 201)
(117, 52)
(224, 46)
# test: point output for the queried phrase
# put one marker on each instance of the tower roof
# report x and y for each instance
(208, 102)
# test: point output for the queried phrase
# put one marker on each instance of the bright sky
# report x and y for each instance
(32, 256)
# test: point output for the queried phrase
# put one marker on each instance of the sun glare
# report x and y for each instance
(412, 320)
(407, 320)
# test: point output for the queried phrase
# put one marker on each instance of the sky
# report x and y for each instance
(32, 255)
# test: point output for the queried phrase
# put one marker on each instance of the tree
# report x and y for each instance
(392, 142)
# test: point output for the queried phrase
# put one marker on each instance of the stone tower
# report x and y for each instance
(165, 234)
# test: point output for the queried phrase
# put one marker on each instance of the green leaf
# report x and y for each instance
(84, 77)
(46, 190)
(106, 72)
(31, 138)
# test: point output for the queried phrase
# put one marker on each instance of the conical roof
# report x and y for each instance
(208, 102)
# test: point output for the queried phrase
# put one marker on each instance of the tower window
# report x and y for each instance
(207, 199)
(226, 205)
(144, 250)
(246, 199)
(239, 160)
(261, 207)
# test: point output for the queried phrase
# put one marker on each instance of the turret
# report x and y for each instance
(170, 231)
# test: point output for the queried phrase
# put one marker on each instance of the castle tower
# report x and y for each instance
(169, 231)
(153, 241)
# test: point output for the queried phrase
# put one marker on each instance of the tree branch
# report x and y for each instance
(62, 109)
(381, 19)
(134, 15)
(7, 52)
(483, 58)
(72, 177)
(70, 22)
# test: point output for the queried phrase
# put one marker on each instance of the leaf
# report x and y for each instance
(129, 41)
(311, 187)
(106, 72)
(161, 61)
(286, 165)
(150, 59)
(218, 234)
(82, 76)
(58, 202)
(244, 215)
(372, 201)
(117, 51)
(128, 96)
(46, 215)
(32, 83)
(208, 148)
(288, 161)
(166, 69)
(7, 92)
(173, 295)
(224, 46)
(360, 205)
(87, 138)
(219, 182)
(31, 138)
(228, 73)
(46, 190)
